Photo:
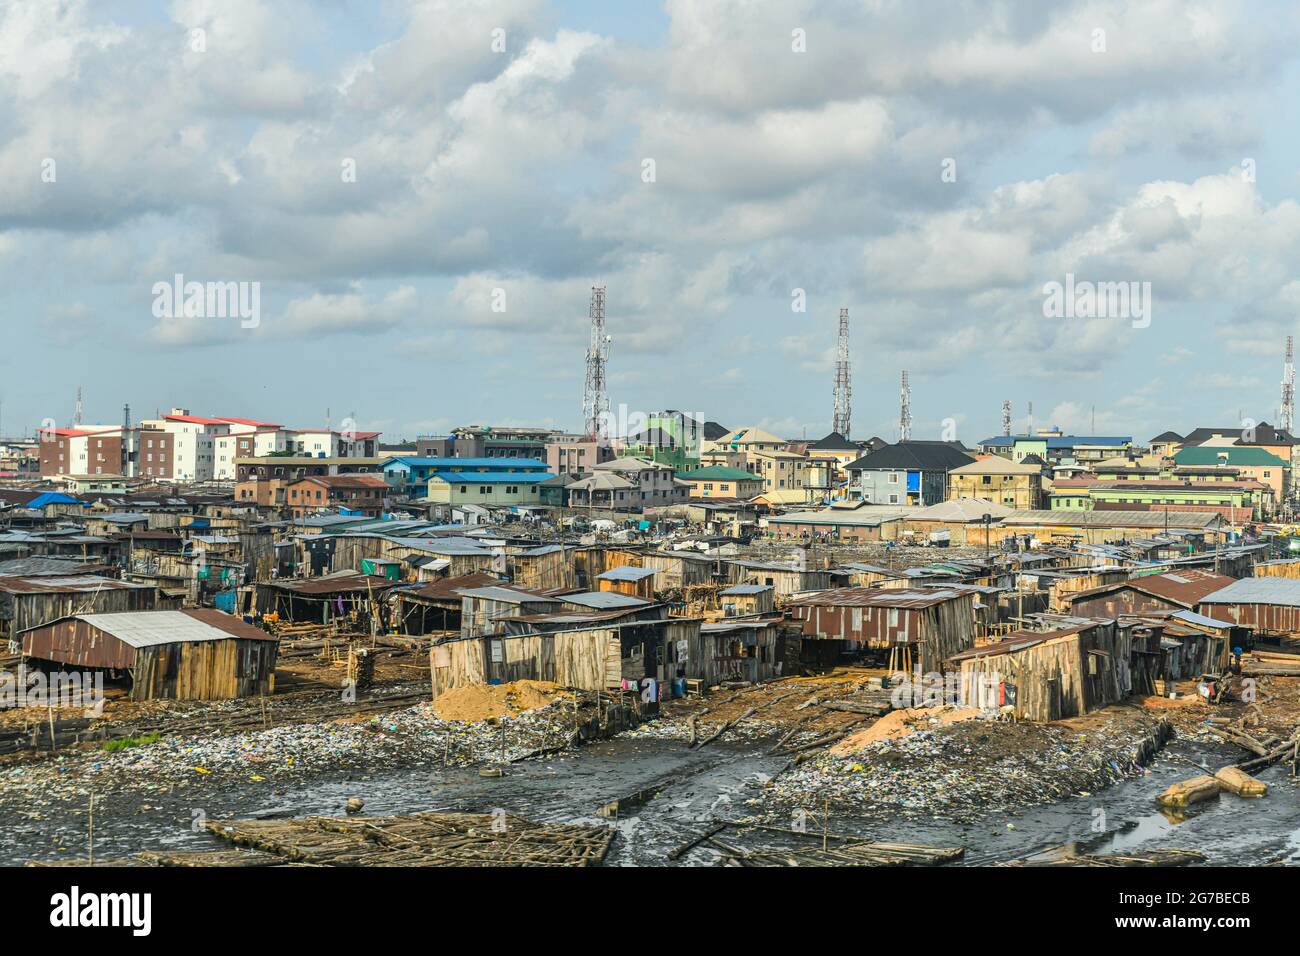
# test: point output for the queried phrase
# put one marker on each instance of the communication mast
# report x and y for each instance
(843, 385)
(905, 410)
(1286, 416)
(595, 400)
(1006, 417)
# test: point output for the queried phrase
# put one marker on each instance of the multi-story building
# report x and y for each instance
(718, 481)
(1014, 484)
(263, 480)
(358, 494)
(906, 473)
(575, 455)
(1053, 447)
(193, 443)
(326, 443)
(410, 475)
(628, 484)
(1246, 462)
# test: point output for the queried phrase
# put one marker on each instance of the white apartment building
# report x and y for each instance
(193, 437)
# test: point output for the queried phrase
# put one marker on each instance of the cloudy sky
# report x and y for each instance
(381, 167)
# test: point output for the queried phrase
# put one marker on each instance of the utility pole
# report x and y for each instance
(595, 399)
(905, 410)
(843, 383)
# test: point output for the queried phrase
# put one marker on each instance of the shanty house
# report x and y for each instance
(739, 650)
(638, 582)
(1048, 675)
(742, 599)
(1269, 606)
(1172, 591)
(190, 654)
(29, 601)
(935, 623)
(784, 579)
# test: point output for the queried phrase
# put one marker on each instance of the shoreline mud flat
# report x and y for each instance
(761, 753)
(290, 752)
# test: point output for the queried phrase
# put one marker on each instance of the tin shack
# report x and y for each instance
(190, 654)
(932, 623)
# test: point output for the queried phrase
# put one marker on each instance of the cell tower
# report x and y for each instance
(76, 415)
(843, 384)
(1286, 416)
(905, 410)
(1006, 417)
(126, 417)
(595, 401)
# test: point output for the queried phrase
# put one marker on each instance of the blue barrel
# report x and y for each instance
(679, 686)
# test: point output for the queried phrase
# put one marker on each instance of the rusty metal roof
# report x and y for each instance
(1017, 641)
(331, 583)
(1183, 587)
(881, 597)
(50, 584)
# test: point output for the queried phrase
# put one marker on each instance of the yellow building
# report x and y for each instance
(1014, 484)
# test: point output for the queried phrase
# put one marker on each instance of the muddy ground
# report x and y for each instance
(943, 777)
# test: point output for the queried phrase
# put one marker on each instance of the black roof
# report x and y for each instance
(834, 442)
(1168, 436)
(1265, 434)
(713, 431)
(921, 455)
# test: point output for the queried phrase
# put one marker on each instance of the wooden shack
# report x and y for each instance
(433, 606)
(637, 582)
(742, 599)
(1061, 585)
(678, 570)
(1283, 568)
(748, 649)
(588, 659)
(1172, 591)
(935, 623)
(190, 654)
(543, 568)
(29, 601)
(1269, 606)
(341, 595)
(868, 576)
(1049, 675)
(482, 607)
(785, 579)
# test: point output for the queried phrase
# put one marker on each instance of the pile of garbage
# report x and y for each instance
(960, 771)
(413, 736)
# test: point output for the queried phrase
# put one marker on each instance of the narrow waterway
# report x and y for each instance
(694, 789)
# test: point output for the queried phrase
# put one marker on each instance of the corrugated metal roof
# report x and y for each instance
(503, 594)
(1185, 587)
(1071, 518)
(626, 573)
(1283, 591)
(151, 628)
(746, 589)
(880, 597)
(603, 599)
(78, 583)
